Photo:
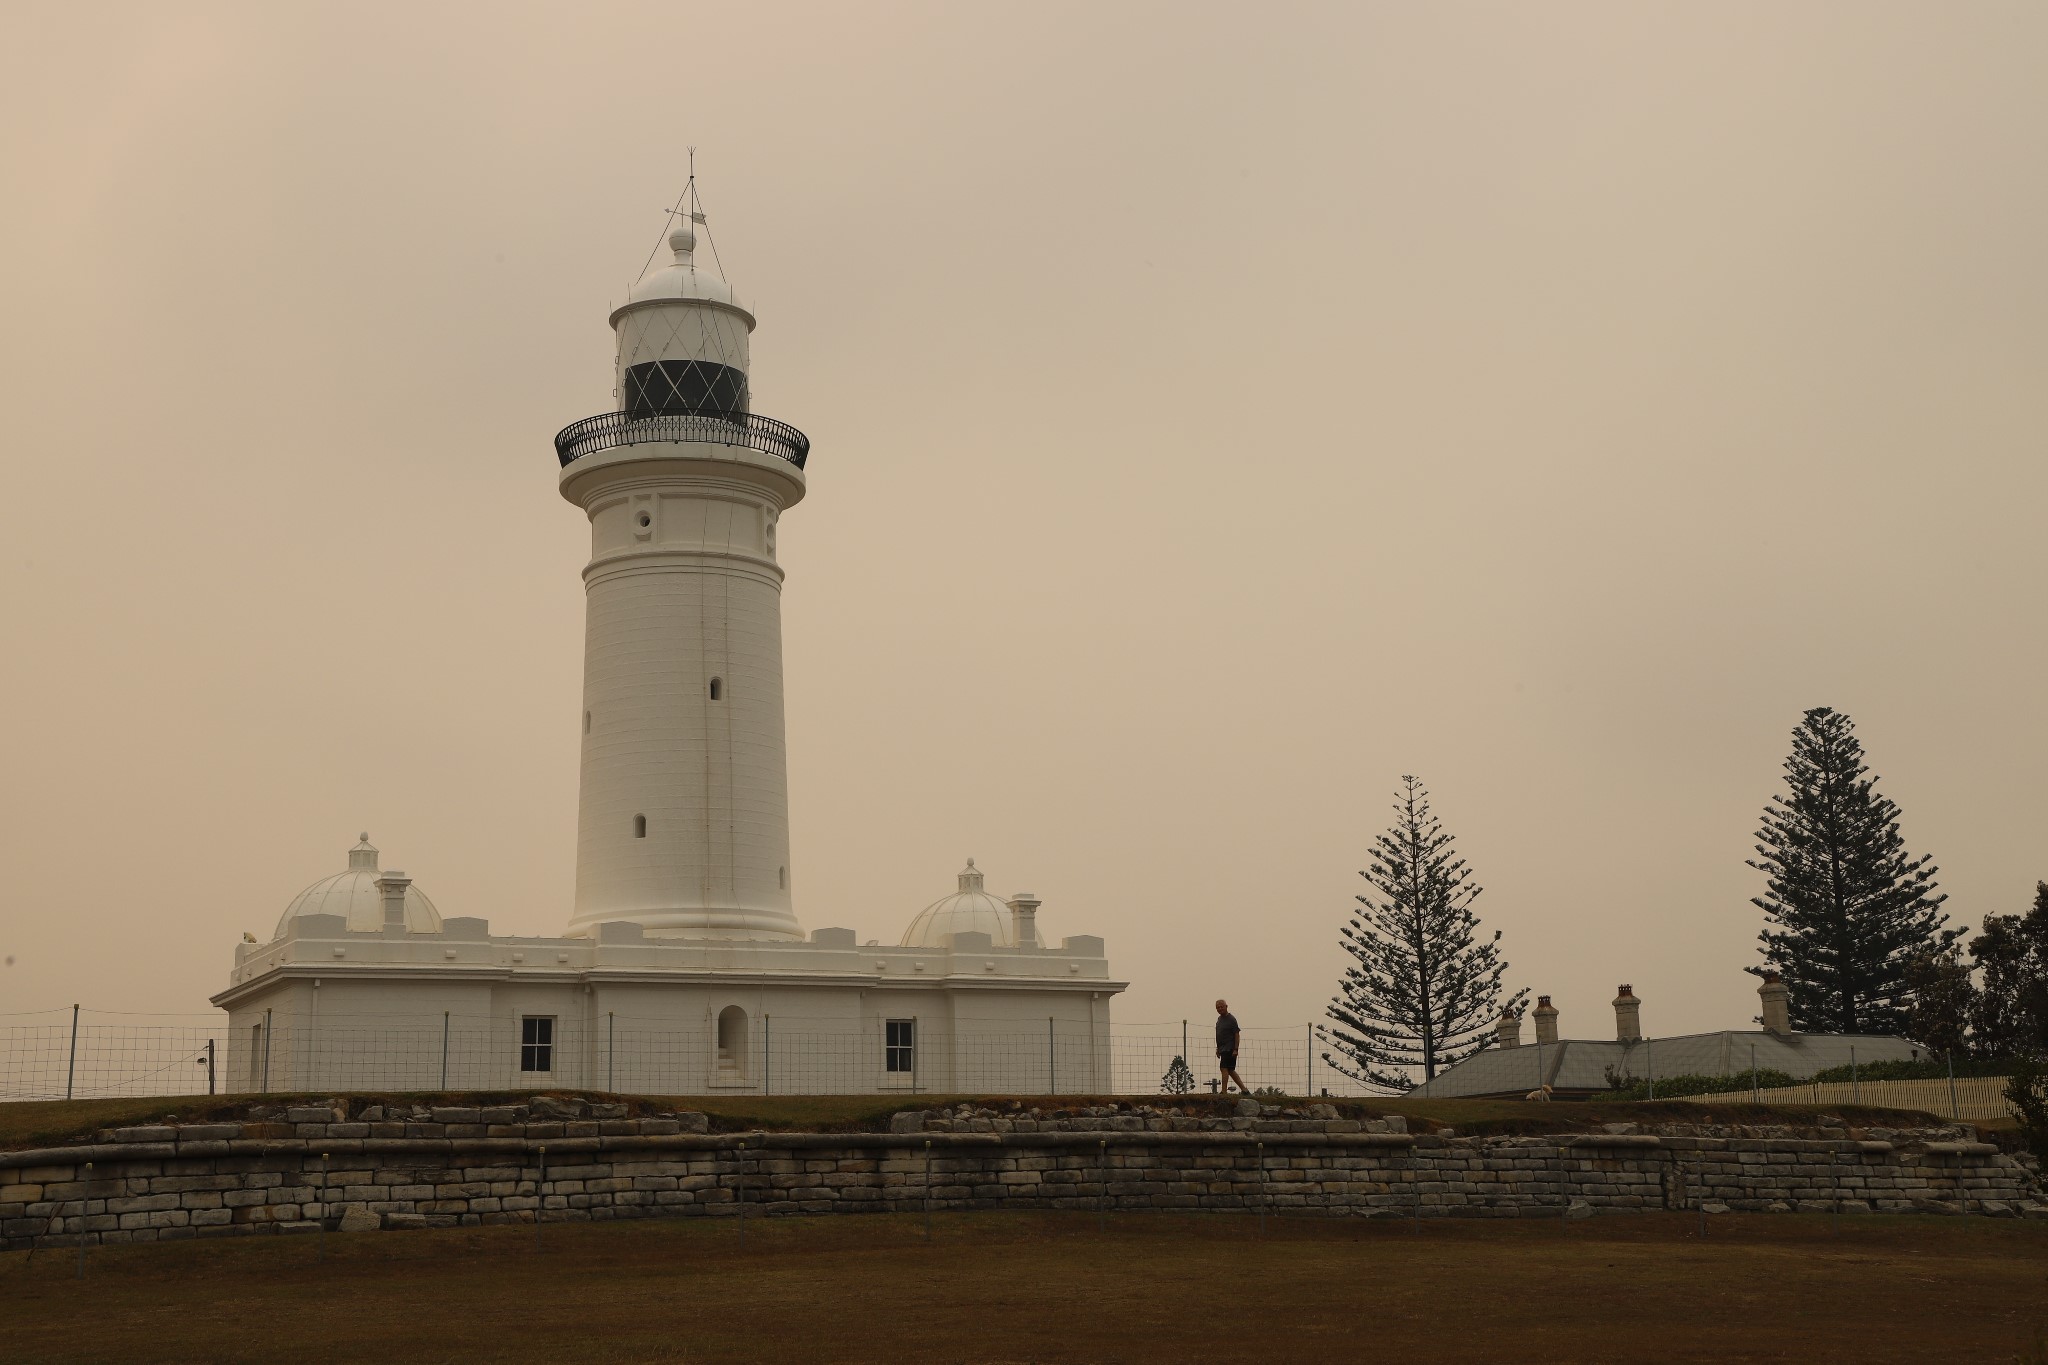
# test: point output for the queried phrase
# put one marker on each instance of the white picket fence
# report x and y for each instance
(1973, 1097)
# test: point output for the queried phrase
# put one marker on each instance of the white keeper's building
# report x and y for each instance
(682, 967)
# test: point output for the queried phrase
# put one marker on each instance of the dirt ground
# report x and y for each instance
(1056, 1288)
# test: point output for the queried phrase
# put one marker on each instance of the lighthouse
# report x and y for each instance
(682, 968)
(683, 820)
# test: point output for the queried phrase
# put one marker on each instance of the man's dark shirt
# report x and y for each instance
(1226, 1033)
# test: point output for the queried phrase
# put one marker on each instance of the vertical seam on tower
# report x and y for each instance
(732, 878)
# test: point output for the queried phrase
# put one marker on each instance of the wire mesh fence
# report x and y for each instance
(83, 1053)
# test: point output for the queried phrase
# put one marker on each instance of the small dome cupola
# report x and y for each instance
(970, 910)
(683, 336)
(354, 895)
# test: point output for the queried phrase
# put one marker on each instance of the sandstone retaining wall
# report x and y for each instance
(460, 1167)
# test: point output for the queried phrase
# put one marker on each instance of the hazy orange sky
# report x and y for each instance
(1219, 411)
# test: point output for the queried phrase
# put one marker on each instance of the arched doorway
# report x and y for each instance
(731, 1057)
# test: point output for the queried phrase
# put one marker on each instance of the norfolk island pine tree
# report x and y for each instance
(1424, 989)
(1846, 910)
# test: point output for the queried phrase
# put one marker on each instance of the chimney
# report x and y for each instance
(1777, 1005)
(1024, 919)
(1628, 1016)
(1509, 1029)
(391, 887)
(1546, 1020)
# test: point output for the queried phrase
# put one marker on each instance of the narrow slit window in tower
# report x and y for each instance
(718, 689)
(586, 722)
(639, 827)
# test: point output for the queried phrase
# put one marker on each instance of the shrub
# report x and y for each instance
(2027, 1093)
(1673, 1087)
(1915, 1069)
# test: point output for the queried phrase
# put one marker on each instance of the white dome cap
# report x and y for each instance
(683, 278)
(354, 896)
(970, 910)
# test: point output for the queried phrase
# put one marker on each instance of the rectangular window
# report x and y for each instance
(536, 1043)
(900, 1040)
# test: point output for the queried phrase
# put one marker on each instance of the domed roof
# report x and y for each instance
(683, 278)
(354, 896)
(970, 910)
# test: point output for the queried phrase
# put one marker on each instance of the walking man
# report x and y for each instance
(1226, 1047)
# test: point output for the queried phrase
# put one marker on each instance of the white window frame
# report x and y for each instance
(537, 1049)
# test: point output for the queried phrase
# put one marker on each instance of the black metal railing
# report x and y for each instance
(608, 430)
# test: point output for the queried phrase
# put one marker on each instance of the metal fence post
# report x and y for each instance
(1955, 1108)
(71, 1070)
(444, 1049)
(209, 1066)
(83, 1204)
(1052, 1064)
(739, 1157)
(1855, 1080)
(1262, 1189)
(320, 1223)
(1564, 1183)
(1102, 1191)
(1835, 1182)
(767, 1054)
(540, 1195)
(1753, 1098)
(1650, 1065)
(927, 1189)
(1309, 1043)
(611, 1038)
(266, 1053)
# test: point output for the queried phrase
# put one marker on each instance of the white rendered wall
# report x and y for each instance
(392, 1010)
(683, 588)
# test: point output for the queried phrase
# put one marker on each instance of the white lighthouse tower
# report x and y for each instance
(684, 820)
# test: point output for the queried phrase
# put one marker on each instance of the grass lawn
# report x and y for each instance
(1053, 1287)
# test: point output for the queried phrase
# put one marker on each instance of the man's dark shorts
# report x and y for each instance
(1228, 1059)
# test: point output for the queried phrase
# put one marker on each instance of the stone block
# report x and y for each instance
(142, 1203)
(209, 1132)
